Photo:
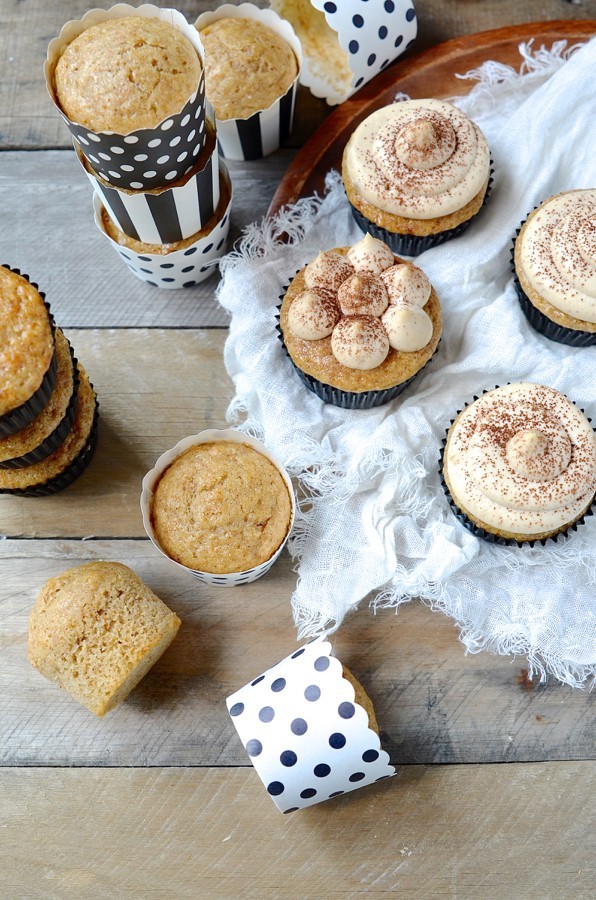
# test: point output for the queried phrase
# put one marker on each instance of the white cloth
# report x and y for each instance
(374, 521)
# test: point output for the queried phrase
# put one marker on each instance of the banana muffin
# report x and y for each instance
(96, 630)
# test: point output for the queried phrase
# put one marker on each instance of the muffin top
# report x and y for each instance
(26, 340)
(125, 74)
(247, 67)
(221, 507)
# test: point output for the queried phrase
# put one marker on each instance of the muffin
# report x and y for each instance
(416, 173)
(555, 268)
(519, 464)
(27, 351)
(49, 429)
(96, 630)
(359, 323)
(64, 465)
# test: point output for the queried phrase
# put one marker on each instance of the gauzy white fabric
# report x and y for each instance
(373, 519)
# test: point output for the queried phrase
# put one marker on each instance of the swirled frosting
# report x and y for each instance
(419, 159)
(522, 459)
(558, 253)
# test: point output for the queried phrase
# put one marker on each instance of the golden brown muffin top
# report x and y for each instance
(125, 74)
(247, 67)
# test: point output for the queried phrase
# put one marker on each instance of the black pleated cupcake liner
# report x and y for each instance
(489, 536)
(540, 322)
(23, 415)
(70, 474)
(57, 437)
(412, 244)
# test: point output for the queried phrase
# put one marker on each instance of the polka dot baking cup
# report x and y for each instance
(307, 735)
(164, 215)
(150, 480)
(347, 42)
(264, 131)
(183, 263)
(541, 323)
(149, 157)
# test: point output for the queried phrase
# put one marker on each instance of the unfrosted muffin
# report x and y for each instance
(520, 464)
(359, 323)
(415, 173)
(221, 507)
(555, 264)
(126, 74)
(96, 630)
(247, 66)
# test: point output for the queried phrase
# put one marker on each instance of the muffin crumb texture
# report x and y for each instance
(221, 507)
(96, 630)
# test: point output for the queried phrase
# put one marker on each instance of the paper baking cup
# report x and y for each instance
(164, 215)
(541, 323)
(264, 131)
(307, 736)
(166, 459)
(348, 42)
(183, 267)
(149, 157)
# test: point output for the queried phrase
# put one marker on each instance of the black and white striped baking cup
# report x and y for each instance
(57, 437)
(573, 337)
(264, 131)
(305, 732)
(489, 536)
(231, 579)
(169, 214)
(370, 36)
(149, 157)
(21, 416)
(184, 266)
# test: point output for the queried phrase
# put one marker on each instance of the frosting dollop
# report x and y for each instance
(370, 255)
(360, 342)
(406, 282)
(419, 158)
(408, 327)
(522, 459)
(557, 253)
(362, 295)
(328, 270)
(313, 314)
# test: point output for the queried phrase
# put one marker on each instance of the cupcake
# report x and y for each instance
(219, 505)
(519, 464)
(96, 630)
(359, 323)
(416, 173)
(252, 63)
(555, 268)
(27, 351)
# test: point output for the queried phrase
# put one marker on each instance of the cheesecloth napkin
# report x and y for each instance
(373, 520)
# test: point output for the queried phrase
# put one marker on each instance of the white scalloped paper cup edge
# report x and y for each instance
(186, 127)
(372, 35)
(210, 435)
(306, 735)
(264, 131)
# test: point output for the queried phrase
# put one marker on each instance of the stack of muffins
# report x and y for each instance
(130, 85)
(48, 408)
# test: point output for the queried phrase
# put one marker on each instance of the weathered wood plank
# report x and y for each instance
(433, 703)
(463, 832)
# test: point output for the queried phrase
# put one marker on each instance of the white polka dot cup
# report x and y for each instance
(264, 131)
(348, 42)
(231, 579)
(149, 157)
(306, 734)
(184, 263)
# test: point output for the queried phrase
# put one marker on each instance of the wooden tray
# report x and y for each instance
(428, 74)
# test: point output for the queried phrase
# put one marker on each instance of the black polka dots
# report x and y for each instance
(288, 758)
(267, 714)
(337, 740)
(370, 755)
(278, 685)
(254, 747)
(322, 664)
(312, 693)
(237, 709)
(346, 710)
(275, 788)
(322, 770)
(298, 727)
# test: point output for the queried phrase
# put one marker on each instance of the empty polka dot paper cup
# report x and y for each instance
(347, 42)
(183, 263)
(138, 158)
(255, 133)
(309, 729)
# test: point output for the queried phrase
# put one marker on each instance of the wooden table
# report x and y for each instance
(494, 797)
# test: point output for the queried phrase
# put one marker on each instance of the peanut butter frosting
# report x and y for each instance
(522, 460)
(420, 159)
(557, 253)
